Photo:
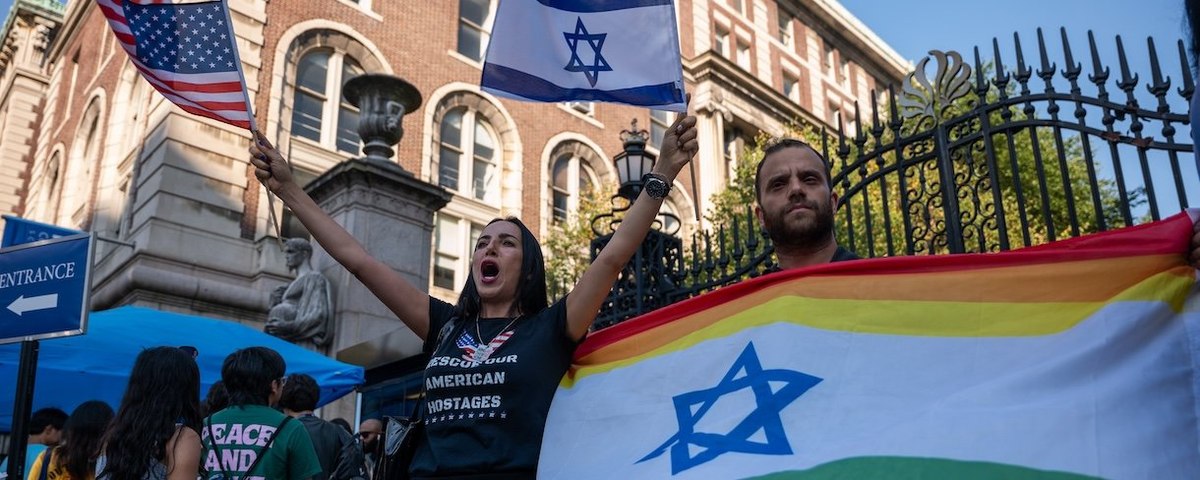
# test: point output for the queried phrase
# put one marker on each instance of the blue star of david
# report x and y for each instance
(599, 64)
(746, 372)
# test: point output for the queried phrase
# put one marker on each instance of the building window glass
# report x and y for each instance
(571, 176)
(449, 248)
(785, 28)
(320, 76)
(743, 54)
(835, 115)
(584, 108)
(468, 160)
(734, 142)
(843, 70)
(721, 42)
(827, 59)
(791, 87)
(454, 242)
(660, 121)
(474, 21)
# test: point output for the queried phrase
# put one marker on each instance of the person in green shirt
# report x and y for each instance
(249, 439)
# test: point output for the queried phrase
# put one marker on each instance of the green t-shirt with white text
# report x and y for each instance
(239, 435)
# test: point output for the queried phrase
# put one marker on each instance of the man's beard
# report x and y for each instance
(802, 235)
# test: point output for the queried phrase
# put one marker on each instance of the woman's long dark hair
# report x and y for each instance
(81, 438)
(531, 288)
(1192, 10)
(164, 389)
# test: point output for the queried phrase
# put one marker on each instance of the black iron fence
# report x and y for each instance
(980, 158)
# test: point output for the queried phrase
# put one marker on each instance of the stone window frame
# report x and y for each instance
(506, 137)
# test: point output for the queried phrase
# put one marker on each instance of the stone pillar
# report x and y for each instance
(390, 212)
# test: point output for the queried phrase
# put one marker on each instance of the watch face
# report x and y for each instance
(656, 188)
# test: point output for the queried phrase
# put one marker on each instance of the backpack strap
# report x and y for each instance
(46, 462)
(212, 444)
(270, 441)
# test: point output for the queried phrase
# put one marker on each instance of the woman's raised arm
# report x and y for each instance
(410, 304)
(678, 148)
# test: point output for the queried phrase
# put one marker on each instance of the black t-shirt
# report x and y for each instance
(486, 405)
(839, 255)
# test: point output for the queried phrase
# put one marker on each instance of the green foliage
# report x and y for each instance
(1010, 187)
(1000, 175)
(567, 243)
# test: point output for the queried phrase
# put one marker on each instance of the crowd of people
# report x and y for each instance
(255, 423)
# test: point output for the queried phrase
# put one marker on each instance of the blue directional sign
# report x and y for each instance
(44, 288)
(18, 230)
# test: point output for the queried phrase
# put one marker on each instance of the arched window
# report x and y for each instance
(468, 156)
(83, 158)
(320, 111)
(474, 23)
(570, 177)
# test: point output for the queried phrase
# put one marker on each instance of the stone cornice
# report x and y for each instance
(46, 15)
(711, 67)
(379, 184)
(858, 35)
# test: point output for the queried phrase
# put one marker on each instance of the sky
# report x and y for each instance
(913, 27)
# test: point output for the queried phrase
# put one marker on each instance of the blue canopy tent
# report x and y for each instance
(76, 369)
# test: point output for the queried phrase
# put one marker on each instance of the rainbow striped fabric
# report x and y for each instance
(1076, 359)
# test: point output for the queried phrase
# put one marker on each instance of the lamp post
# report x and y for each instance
(633, 162)
(645, 283)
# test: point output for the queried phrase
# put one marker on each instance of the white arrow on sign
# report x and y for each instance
(40, 302)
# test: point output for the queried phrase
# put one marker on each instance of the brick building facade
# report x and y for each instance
(85, 143)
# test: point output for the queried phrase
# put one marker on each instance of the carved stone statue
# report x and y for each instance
(302, 311)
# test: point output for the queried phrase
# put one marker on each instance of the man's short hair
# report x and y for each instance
(300, 393)
(780, 144)
(248, 374)
(47, 417)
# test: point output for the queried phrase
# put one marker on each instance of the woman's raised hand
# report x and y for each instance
(679, 145)
(269, 166)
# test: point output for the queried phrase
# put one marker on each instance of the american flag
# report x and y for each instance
(186, 50)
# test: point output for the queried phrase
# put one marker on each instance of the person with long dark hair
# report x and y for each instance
(155, 433)
(1192, 11)
(75, 457)
(497, 356)
(216, 400)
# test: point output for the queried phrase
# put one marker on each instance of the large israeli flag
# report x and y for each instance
(622, 51)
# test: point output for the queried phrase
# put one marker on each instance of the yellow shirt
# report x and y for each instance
(57, 470)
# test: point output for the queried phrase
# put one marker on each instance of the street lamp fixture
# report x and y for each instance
(633, 162)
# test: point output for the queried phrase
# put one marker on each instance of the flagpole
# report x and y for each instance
(237, 58)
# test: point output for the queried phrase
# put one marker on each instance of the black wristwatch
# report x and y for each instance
(655, 185)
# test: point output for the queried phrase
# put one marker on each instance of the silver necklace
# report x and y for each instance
(484, 350)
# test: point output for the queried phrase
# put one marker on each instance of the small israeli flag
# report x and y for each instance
(622, 51)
